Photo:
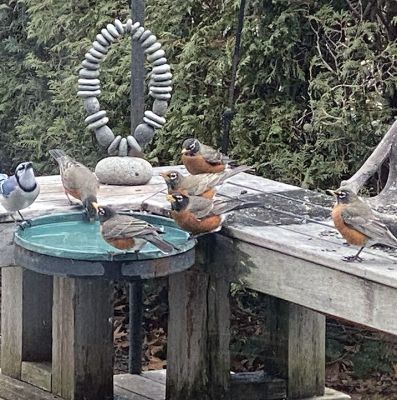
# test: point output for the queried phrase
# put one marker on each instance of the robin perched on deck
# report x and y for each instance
(78, 181)
(198, 215)
(199, 185)
(125, 232)
(357, 223)
(199, 158)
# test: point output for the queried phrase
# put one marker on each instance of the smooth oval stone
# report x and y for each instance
(86, 87)
(159, 61)
(107, 35)
(88, 73)
(113, 149)
(152, 123)
(102, 40)
(160, 83)
(119, 26)
(160, 107)
(145, 35)
(86, 93)
(91, 105)
(160, 89)
(89, 65)
(113, 31)
(138, 33)
(96, 53)
(160, 96)
(144, 134)
(153, 48)
(98, 47)
(134, 149)
(123, 148)
(104, 136)
(123, 171)
(135, 27)
(161, 69)
(97, 124)
(156, 55)
(95, 117)
(91, 58)
(149, 41)
(91, 82)
(151, 115)
(128, 25)
(162, 77)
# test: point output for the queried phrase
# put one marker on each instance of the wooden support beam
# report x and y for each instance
(198, 360)
(82, 362)
(26, 319)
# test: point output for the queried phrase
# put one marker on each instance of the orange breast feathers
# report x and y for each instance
(187, 221)
(198, 165)
(351, 235)
(122, 243)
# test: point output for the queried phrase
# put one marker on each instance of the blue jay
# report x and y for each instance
(20, 190)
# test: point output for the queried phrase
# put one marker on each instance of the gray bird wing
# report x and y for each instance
(124, 226)
(200, 206)
(363, 220)
(198, 184)
(213, 156)
(78, 176)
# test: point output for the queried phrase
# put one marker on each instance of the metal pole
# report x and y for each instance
(135, 305)
(137, 68)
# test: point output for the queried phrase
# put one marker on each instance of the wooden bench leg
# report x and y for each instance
(82, 361)
(26, 319)
(198, 360)
(296, 350)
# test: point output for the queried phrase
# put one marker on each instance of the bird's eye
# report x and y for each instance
(173, 175)
(342, 195)
(191, 147)
(179, 198)
(101, 211)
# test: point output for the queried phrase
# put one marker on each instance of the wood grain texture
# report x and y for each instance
(82, 359)
(26, 319)
(37, 374)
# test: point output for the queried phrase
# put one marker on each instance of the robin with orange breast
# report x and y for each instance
(125, 232)
(199, 185)
(357, 223)
(199, 158)
(198, 215)
(78, 181)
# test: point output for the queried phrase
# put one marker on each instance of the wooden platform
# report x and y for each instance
(148, 386)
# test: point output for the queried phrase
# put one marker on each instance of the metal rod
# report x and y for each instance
(137, 68)
(135, 316)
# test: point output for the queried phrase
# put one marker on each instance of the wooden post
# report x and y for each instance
(82, 362)
(296, 348)
(135, 317)
(198, 360)
(26, 319)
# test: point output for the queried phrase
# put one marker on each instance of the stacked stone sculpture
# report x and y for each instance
(160, 87)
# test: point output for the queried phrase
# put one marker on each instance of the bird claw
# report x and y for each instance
(352, 258)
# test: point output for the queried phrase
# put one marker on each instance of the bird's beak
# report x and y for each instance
(163, 174)
(329, 191)
(170, 198)
(95, 205)
(29, 165)
(184, 151)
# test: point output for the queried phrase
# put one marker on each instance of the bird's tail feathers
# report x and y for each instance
(225, 206)
(161, 244)
(57, 154)
(234, 171)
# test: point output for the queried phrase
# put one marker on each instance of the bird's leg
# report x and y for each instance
(355, 257)
(138, 247)
(191, 236)
(70, 201)
(22, 218)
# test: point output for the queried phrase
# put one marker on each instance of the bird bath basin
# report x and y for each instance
(64, 245)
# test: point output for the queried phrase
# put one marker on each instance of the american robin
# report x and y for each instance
(20, 190)
(78, 181)
(201, 159)
(198, 215)
(125, 232)
(356, 222)
(199, 185)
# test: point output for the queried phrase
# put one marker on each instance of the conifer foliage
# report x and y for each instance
(315, 91)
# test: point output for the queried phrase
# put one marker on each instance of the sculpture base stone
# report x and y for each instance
(129, 171)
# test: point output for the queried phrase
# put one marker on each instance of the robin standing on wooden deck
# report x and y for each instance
(78, 181)
(199, 185)
(125, 232)
(357, 223)
(201, 159)
(198, 215)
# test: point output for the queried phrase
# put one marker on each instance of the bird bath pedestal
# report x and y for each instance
(68, 308)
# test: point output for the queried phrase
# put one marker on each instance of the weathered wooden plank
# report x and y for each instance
(37, 374)
(157, 375)
(319, 288)
(82, 360)
(259, 183)
(26, 319)
(139, 385)
(198, 332)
